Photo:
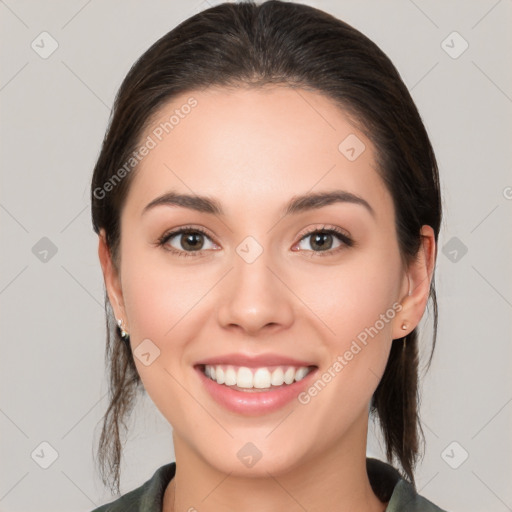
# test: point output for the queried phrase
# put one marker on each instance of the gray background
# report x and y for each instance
(54, 114)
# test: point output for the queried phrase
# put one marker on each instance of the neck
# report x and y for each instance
(335, 481)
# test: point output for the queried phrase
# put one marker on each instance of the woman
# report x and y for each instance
(268, 207)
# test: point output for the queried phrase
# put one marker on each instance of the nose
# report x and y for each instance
(254, 297)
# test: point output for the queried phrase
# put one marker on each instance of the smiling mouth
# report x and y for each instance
(255, 380)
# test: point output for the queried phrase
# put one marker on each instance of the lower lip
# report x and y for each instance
(255, 402)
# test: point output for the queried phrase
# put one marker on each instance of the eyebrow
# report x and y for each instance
(297, 204)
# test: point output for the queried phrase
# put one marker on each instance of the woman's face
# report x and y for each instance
(257, 280)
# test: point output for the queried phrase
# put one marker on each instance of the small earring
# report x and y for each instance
(124, 334)
(404, 327)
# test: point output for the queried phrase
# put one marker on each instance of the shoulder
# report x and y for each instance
(385, 480)
(391, 488)
(405, 498)
(146, 498)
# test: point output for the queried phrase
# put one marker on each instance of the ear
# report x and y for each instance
(112, 279)
(416, 286)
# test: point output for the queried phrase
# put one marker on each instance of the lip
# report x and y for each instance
(255, 403)
(251, 361)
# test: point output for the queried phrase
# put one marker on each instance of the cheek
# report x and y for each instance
(157, 296)
(352, 296)
(357, 301)
(160, 303)
(358, 304)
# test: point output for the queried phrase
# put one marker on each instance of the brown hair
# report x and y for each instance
(252, 45)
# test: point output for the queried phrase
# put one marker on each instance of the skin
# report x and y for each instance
(253, 150)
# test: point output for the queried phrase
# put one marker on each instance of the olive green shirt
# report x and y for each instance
(385, 480)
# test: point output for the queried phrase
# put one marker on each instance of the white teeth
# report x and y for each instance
(262, 378)
(220, 376)
(277, 377)
(301, 373)
(230, 377)
(244, 378)
(289, 375)
(259, 378)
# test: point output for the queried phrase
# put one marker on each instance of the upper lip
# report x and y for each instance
(254, 361)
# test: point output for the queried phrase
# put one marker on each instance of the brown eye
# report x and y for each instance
(191, 241)
(323, 240)
(185, 241)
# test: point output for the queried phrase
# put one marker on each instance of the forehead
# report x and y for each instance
(251, 147)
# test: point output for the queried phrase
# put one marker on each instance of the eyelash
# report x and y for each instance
(342, 237)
